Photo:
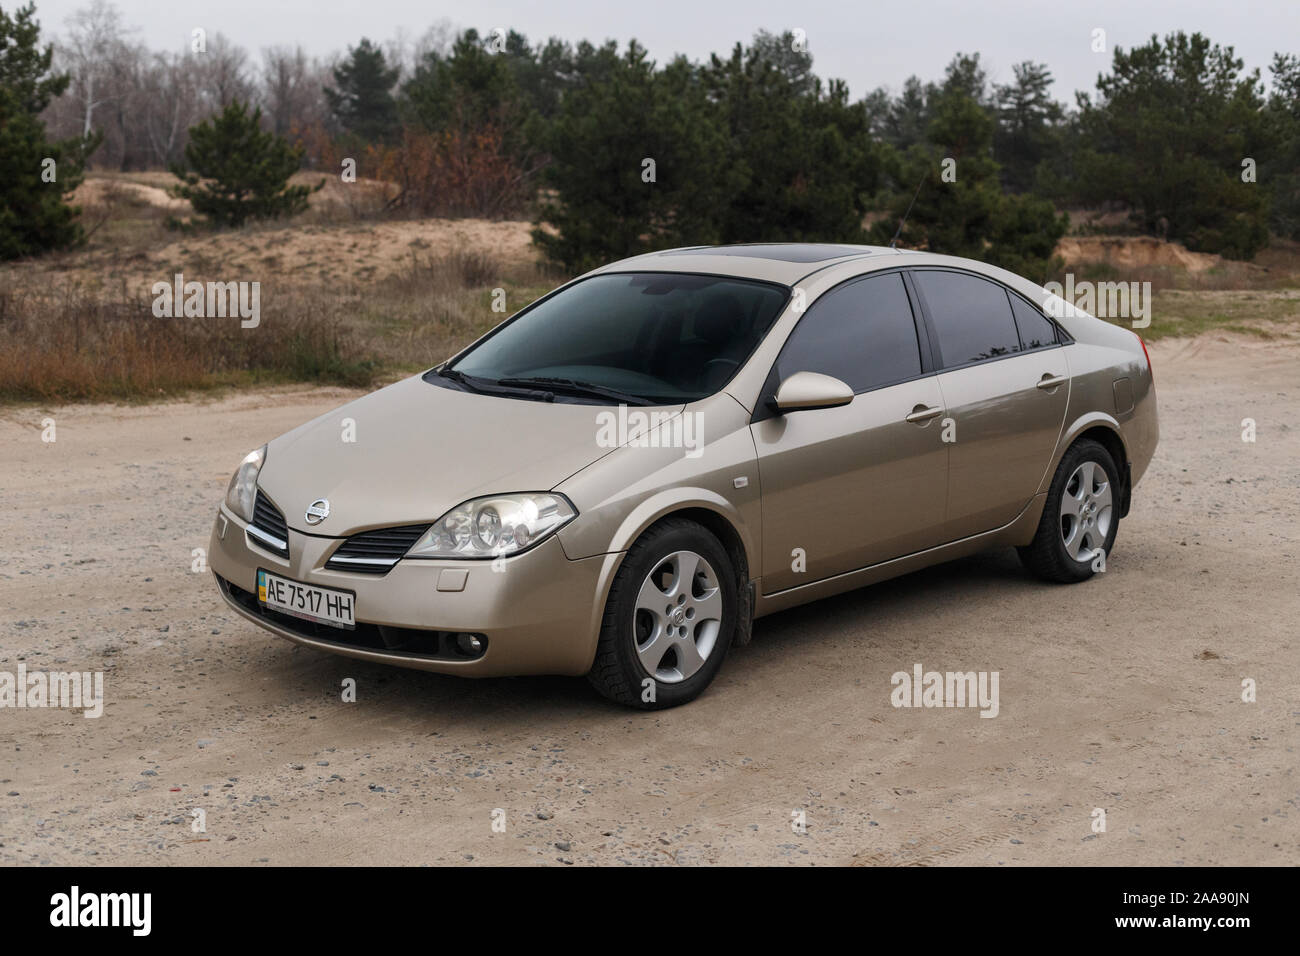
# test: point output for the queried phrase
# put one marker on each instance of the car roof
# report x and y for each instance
(784, 262)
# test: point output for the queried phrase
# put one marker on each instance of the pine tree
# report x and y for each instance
(234, 171)
(950, 184)
(803, 152)
(362, 97)
(1166, 135)
(35, 174)
(639, 161)
(1280, 167)
(468, 82)
(1028, 125)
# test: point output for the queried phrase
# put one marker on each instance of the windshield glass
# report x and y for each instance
(664, 338)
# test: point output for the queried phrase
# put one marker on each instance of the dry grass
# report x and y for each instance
(1264, 313)
(343, 301)
(1260, 298)
(67, 340)
(70, 345)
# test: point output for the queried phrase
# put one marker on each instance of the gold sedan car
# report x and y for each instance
(621, 477)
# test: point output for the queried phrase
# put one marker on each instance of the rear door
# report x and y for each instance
(847, 487)
(1005, 384)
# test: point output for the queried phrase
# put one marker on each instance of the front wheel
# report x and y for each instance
(1080, 519)
(669, 619)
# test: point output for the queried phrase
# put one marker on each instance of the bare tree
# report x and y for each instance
(291, 89)
(124, 73)
(222, 74)
(406, 53)
(95, 34)
(439, 38)
(170, 104)
(143, 103)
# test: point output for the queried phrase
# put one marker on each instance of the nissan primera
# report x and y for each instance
(619, 479)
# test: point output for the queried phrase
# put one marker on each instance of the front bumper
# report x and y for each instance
(540, 612)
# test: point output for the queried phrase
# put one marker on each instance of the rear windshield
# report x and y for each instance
(664, 338)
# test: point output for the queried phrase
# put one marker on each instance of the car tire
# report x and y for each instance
(693, 627)
(1080, 517)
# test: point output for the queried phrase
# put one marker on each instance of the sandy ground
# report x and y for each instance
(1122, 694)
(331, 244)
(304, 254)
(1133, 252)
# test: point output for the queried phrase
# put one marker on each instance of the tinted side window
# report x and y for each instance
(971, 316)
(861, 333)
(1035, 329)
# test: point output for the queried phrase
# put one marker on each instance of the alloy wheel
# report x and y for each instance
(678, 617)
(1086, 511)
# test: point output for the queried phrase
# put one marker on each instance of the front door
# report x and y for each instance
(847, 487)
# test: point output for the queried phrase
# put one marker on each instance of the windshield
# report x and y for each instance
(663, 338)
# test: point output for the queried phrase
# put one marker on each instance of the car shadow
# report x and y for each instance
(913, 597)
(431, 702)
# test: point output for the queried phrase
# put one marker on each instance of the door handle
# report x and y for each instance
(923, 414)
(1051, 381)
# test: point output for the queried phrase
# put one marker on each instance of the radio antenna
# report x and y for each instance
(902, 222)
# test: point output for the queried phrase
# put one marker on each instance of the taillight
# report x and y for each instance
(1147, 356)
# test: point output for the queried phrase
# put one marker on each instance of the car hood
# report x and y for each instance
(418, 450)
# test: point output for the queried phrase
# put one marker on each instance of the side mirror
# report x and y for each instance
(807, 390)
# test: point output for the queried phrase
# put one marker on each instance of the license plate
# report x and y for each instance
(322, 605)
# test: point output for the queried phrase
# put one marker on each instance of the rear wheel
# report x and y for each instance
(669, 619)
(1080, 518)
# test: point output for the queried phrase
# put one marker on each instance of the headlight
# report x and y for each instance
(495, 526)
(243, 484)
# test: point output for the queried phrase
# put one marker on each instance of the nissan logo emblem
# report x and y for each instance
(318, 511)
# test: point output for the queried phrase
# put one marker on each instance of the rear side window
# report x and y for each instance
(1036, 331)
(862, 333)
(971, 316)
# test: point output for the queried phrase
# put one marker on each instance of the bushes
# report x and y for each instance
(452, 172)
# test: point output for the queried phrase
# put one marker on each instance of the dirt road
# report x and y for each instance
(1123, 694)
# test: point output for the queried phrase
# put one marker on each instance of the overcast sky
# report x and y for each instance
(867, 43)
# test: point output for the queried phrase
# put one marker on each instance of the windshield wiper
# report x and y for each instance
(486, 386)
(574, 387)
(460, 378)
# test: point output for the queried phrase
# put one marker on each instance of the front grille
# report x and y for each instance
(375, 552)
(268, 520)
